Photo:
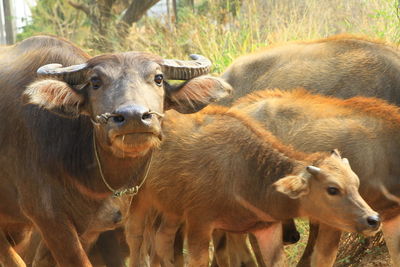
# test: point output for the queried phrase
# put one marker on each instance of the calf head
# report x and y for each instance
(125, 95)
(328, 192)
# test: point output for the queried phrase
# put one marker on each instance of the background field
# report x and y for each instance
(213, 29)
(222, 30)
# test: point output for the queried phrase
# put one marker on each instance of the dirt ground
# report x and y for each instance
(371, 260)
(380, 258)
(357, 251)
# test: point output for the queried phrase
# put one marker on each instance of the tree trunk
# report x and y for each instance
(9, 22)
(169, 13)
(103, 23)
(2, 33)
(175, 11)
(137, 9)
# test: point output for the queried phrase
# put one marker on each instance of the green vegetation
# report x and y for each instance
(58, 18)
(213, 29)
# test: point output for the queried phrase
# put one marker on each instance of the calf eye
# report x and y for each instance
(95, 82)
(158, 79)
(333, 191)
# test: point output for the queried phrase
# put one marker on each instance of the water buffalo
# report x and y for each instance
(81, 129)
(219, 169)
(365, 130)
(342, 66)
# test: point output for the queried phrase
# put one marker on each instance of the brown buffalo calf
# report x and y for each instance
(222, 170)
(341, 66)
(366, 130)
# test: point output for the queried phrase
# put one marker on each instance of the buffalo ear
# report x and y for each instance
(54, 95)
(335, 152)
(196, 94)
(292, 186)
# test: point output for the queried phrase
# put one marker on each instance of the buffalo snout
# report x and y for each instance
(373, 222)
(133, 114)
(370, 224)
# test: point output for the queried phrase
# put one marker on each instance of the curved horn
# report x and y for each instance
(186, 69)
(71, 74)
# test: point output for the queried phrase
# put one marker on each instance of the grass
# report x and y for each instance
(294, 252)
(223, 37)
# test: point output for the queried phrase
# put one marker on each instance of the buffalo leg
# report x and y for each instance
(221, 254)
(43, 257)
(326, 246)
(391, 233)
(8, 256)
(257, 250)
(271, 245)
(110, 249)
(305, 260)
(198, 239)
(239, 251)
(134, 231)
(63, 241)
(165, 238)
(231, 250)
(290, 235)
(178, 248)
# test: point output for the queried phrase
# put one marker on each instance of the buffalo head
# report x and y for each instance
(125, 95)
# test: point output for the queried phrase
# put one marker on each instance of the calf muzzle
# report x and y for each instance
(374, 222)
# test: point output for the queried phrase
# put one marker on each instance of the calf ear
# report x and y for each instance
(335, 152)
(54, 95)
(196, 94)
(292, 186)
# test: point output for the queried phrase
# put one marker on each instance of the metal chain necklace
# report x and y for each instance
(125, 191)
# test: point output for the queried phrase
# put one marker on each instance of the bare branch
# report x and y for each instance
(81, 7)
(136, 10)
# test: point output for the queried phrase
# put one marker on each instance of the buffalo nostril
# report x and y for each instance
(147, 116)
(373, 221)
(118, 119)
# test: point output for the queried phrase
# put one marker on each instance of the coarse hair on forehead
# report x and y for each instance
(140, 60)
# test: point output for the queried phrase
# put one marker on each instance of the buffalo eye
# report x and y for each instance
(158, 79)
(95, 82)
(333, 191)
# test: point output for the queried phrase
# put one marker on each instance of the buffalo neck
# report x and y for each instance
(264, 160)
(68, 146)
(262, 193)
(116, 172)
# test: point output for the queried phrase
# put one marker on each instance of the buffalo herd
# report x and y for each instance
(104, 162)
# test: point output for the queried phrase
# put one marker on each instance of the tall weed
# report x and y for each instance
(222, 37)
